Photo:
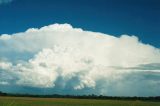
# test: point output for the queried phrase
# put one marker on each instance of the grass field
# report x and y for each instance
(27, 101)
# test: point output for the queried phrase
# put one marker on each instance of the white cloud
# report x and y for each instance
(81, 59)
(5, 65)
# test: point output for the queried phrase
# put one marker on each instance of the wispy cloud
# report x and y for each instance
(59, 56)
(5, 1)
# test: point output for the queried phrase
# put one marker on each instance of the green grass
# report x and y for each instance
(27, 101)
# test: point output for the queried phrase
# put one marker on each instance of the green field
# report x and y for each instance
(27, 101)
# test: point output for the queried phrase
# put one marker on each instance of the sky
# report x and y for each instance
(103, 47)
(132, 17)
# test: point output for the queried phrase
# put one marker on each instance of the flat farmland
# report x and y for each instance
(29, 101)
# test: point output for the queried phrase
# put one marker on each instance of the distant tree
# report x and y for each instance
(2, 94)
(91, 96)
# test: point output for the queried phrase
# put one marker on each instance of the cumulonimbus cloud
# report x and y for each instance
(72, 59)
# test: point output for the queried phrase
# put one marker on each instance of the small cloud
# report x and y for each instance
(4, 83)
(5, 1)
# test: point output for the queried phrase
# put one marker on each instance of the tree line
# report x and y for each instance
(92, 96)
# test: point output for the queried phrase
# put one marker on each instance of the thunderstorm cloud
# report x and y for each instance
(61, 59)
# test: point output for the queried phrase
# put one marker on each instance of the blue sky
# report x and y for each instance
(103, 47)
(116, 17)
